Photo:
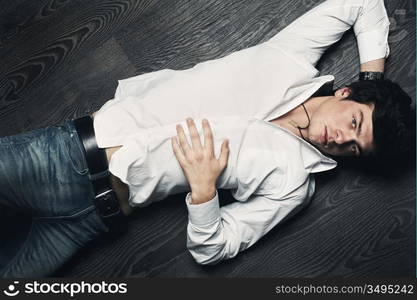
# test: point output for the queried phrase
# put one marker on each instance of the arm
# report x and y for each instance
(312, 33)
(214, 233)
(376, 65)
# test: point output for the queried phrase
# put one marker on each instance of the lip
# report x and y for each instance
(323, 138)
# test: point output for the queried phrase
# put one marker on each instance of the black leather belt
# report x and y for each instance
(105, 200)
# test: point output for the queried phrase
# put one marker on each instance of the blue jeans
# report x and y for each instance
(43, 173)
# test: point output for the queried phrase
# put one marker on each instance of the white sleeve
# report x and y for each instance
(315, 31)
(137, 85)
(371, 30)
(215, 233)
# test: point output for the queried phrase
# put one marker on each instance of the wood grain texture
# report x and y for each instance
(62, 58)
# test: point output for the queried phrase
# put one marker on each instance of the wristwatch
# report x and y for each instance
(371, 76)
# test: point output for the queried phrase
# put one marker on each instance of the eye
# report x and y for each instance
(354, 123)
(354, 149)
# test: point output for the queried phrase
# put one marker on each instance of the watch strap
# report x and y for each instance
(371, 76)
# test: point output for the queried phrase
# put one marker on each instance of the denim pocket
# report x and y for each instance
(75, 150)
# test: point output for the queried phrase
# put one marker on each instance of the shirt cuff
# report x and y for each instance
(373, 44)
(205, 213)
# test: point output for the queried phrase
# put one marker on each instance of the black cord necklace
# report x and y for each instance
(308, 117)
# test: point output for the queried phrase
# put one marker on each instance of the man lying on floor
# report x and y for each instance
(165, 132)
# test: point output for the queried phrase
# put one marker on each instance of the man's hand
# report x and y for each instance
(200, 166)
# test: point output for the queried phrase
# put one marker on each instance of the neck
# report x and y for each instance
(297, 117)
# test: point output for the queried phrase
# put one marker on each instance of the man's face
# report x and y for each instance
(342, 127)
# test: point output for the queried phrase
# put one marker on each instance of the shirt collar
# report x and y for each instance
(314, 161)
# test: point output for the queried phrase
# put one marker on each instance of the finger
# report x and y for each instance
(195, 137)
(185, 147)
(177, 150)
(224, 154)
(208, 137)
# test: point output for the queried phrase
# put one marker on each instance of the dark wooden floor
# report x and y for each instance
(60, 59)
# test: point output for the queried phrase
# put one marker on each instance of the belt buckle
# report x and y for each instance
(107, 204)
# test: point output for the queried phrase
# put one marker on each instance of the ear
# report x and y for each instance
(343, 92)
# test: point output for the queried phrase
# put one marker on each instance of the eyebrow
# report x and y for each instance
(360, 131)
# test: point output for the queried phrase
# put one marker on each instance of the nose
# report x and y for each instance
(343, 137)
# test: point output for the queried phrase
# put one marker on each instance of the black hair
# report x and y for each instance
(394, 124)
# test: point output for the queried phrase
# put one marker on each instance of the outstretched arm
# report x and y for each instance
(312, 33)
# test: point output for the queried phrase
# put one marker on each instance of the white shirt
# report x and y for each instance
(269, 169)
